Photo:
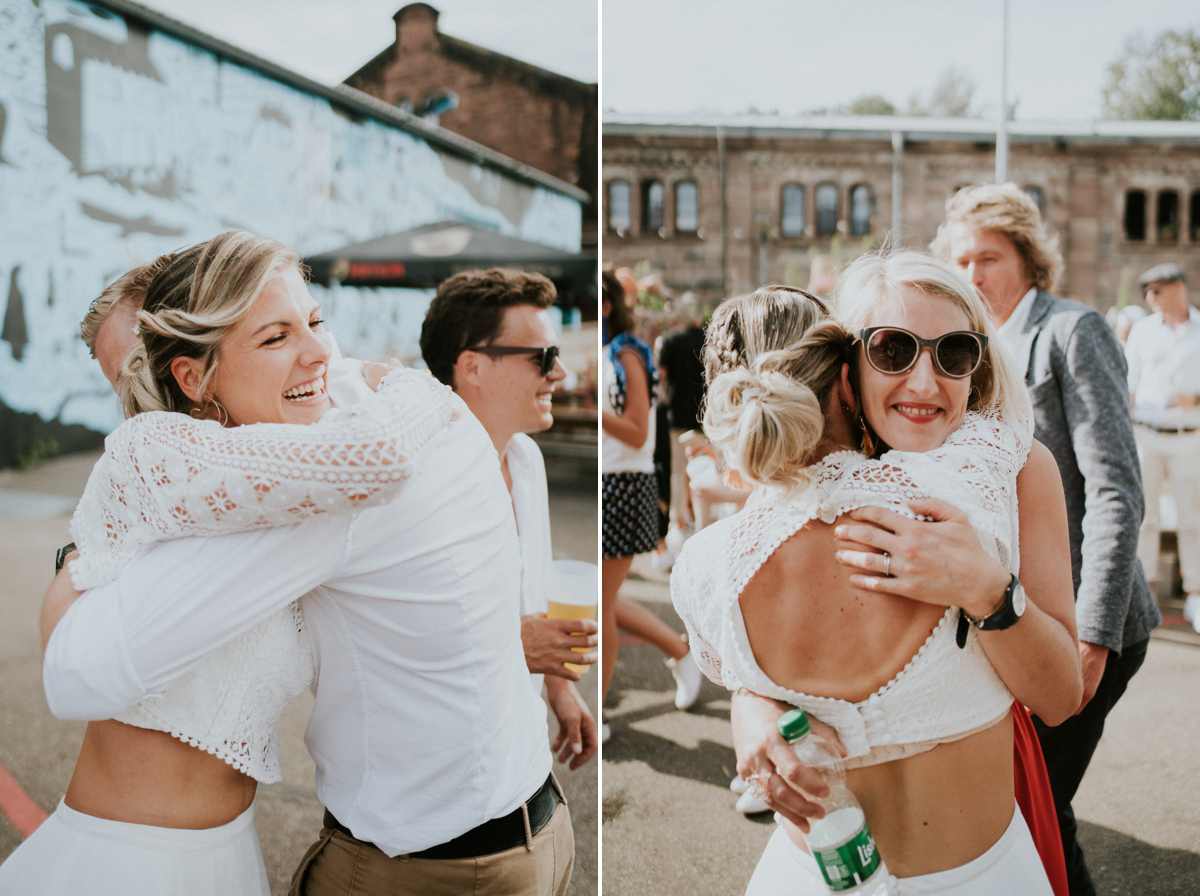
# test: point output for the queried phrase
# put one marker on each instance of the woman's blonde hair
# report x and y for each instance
(771, 360)
(197, 296)
(877, 282)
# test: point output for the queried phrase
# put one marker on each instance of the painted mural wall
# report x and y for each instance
(119, 143)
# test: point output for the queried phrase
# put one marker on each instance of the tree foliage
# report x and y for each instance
(1156, 79)
(869, 104)
(951, 97)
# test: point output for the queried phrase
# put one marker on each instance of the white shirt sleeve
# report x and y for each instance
(172, 606)
(1133, 360)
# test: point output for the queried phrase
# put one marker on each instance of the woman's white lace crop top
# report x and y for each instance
(165, 476)
(944, 693)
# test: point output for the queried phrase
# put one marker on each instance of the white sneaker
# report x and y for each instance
(664, 560)
(1191, 608)
(675, 539)
(749, 804)
(738, 785)
(687, 680)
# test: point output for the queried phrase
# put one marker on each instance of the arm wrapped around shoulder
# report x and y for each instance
(768, 418)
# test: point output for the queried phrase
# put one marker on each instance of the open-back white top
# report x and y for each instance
(944, 693)
(164, 475)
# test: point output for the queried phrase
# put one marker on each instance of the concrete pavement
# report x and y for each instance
(669, 826)
(39, 751)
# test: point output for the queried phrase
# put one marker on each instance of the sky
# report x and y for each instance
(329, 40)
(794, 56)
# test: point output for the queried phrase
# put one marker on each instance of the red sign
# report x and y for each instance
(375, 270)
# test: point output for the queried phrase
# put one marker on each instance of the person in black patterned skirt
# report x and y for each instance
(630, 499)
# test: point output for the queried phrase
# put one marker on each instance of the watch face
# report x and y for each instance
(1019, 600)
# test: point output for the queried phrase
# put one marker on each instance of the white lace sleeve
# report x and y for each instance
(164, 475)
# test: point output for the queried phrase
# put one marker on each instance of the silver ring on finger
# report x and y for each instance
(887, 565)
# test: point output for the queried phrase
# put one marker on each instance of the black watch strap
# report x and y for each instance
(61, 557)
(1005, 616)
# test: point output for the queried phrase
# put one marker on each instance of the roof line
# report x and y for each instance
(913, 128)
(345, 97)
(543, 73)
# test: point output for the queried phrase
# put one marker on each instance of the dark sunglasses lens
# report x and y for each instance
(891, 351)
(959, 354)
(549, 356)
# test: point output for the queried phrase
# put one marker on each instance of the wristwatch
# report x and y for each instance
(61, 557)
(1007, 614)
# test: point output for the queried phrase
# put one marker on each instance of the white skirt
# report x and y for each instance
(72, 853)
(1012, 867)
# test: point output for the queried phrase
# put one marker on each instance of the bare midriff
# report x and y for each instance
(814, 633)
(148, 777)
(939, 809)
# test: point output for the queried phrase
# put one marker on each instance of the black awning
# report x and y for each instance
(426, 256)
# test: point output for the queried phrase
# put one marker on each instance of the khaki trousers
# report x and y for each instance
(340, 865)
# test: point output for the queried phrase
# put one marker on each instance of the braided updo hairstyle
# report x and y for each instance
(197, 296)
(771, 360)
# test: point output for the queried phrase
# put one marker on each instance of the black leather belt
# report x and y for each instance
(490, 837)
(1169, 429)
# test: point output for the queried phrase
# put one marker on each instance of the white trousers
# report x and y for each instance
(1011, 867)
(73, 853)
(1175, 457)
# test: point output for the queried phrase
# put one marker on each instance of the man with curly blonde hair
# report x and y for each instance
(1075, 370)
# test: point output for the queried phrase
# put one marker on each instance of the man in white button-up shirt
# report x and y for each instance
(488, 335)
(1163, 354)
(429, 743)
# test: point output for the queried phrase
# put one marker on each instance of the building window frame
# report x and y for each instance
(1166, 217)
(827, 218)
(654, 206)
(793, 213)
(684, 206)
(859, 225)
(1038, 195)
(618, 214)
(1134, 215)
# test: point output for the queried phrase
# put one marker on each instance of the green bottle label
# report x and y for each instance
(851, 864)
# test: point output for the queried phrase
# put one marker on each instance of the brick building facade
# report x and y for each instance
(542, 119)
(720, 206)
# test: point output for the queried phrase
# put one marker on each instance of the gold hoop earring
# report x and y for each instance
(867, 442)
(201, 412)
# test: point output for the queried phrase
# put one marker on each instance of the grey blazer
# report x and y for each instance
(1075, 370)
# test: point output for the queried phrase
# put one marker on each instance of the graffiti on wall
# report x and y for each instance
(119, 143)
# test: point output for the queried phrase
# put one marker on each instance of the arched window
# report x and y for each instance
(827, 209)
(619, 214)
(862, 209)
(1168, 216)
(791, 221)
(1135, 215)
(1039, 198)
(687, 207)
(653, 196)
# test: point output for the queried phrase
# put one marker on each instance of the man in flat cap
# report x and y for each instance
(1163, 354)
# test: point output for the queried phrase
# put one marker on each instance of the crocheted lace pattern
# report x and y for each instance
(166, 475)
(943, 693)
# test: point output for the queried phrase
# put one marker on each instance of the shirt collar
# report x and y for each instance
(1016, 321)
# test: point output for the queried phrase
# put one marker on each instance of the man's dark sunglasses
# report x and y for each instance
(892, 350)
(544, 357)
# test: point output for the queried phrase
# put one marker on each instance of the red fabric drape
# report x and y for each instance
(1035, 798)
